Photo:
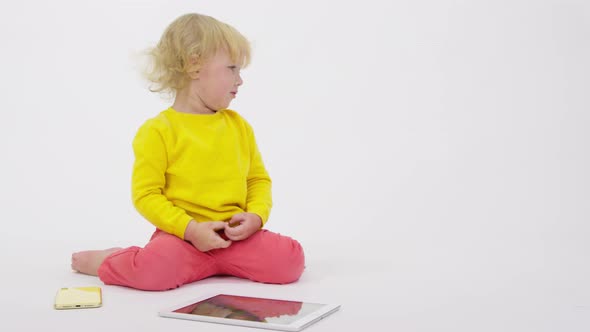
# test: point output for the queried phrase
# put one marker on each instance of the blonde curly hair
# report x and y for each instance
(186, 43)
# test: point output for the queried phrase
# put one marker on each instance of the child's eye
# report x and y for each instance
(233, 68)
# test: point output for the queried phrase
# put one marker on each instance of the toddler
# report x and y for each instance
(198, 175)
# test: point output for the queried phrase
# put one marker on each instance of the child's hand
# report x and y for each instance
(242, 225)
(203, 235)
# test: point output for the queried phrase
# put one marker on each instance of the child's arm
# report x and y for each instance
(259, 199)
(148, 181)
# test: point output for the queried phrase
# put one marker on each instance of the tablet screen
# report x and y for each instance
(251, 309)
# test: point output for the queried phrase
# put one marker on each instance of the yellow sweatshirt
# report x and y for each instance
(197, 166)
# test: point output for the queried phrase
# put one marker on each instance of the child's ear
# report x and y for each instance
(193, 67)
(193, 74)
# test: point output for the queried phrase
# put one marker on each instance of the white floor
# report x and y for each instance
(378, 291)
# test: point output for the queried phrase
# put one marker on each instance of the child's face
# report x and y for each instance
(217, 81)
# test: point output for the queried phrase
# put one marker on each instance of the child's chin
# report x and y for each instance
(223, 105)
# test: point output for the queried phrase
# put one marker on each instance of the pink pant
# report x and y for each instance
(168, 262)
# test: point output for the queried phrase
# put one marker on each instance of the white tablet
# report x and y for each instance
(257, 312)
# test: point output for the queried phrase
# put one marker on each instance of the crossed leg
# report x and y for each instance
(264, 257)
(166, 262)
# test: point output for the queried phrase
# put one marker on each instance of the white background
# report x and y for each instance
(431, 156)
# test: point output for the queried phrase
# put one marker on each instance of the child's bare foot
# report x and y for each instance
(87, 262)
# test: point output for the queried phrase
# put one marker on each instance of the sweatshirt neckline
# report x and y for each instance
(215, 115)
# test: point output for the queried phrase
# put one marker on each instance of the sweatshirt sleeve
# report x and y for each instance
(148, 182)
(259, 199)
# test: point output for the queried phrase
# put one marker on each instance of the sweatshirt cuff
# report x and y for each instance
(262, 213)
(180, 226)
